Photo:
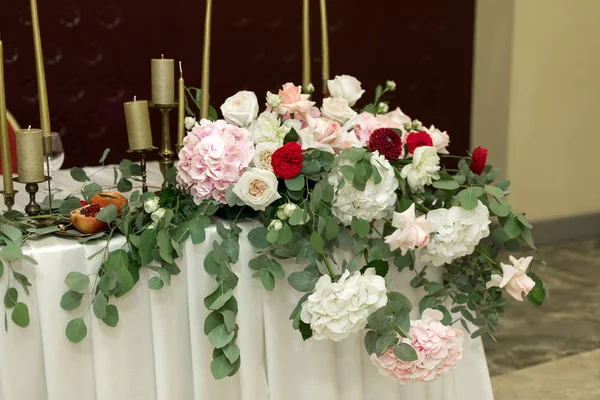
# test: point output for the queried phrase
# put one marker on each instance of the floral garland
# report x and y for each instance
(345, 193)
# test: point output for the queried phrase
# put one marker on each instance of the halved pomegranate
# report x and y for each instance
(84, 219)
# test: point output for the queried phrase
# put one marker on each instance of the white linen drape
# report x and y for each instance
(159, 351)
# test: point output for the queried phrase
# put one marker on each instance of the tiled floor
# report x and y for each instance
(568, 324)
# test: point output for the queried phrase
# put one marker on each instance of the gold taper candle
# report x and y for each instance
(41, 78)
(4, 142)
(163, 81)
(181, 109)
(137, 118)
(325, 45)
(206, 61)
(305, 44)
(30, 155)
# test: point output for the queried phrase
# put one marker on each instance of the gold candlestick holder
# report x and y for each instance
(9, 198)
(166, 149)
(142, 154)
(33, 208)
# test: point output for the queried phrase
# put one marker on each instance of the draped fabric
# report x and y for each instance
(159, 350)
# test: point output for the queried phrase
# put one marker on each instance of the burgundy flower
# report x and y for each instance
(387, 142)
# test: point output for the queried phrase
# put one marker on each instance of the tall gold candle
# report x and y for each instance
(305, 44)
(181, 110)
(137, 118)
(206, 61)
(325, 43)
(30, 155)
(41, 78)
(4, 142)
(163, 81)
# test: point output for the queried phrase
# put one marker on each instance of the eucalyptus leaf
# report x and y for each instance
(108, 213)
(76, 330)
(405, 352)
(103, 158)
(20, 315)
(112, 316)
(11, 297)
(71, 300)
(79, 175)
(100, 304)
(219, 337)
(295, 184)
(13, 233)
(220, 367)
(155, 283)
(267, 279)
(258, 236)
(77, 281)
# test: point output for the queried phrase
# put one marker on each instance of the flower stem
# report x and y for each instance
(486, 257)
(329, 270)
(451, 156)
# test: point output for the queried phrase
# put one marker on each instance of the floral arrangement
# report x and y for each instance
(349, 193)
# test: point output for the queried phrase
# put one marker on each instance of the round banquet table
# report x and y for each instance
(159, 350)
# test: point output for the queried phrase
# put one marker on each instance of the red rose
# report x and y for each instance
(287, 160)
(479, 159)
(387, 142)
(418, 139)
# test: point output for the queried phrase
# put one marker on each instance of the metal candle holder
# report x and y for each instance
(166, 149)
(33, 208)
(142, 154)
(9, 198)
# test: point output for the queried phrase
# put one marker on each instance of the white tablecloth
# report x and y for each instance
(159, 350)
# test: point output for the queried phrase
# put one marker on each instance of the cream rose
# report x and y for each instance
(346, 86)
(262, 155)
(337, 109)
(240, 109)
(257, 188)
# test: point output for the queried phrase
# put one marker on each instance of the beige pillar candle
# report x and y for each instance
(325, 46)
(41, 73)
(30, 155)
(4, 142)
(163, 81)
(181, 109)
(137, 118)
(305, 44)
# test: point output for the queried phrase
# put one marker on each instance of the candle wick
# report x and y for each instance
(180, 70)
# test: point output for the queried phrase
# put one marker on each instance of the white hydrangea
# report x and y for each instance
(424, 168)
(266, 128)
(375, 202)
(337, 309)
(456, 233)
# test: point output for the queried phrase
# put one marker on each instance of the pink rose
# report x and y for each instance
(367, 123)
(398, 117)
(326, 135)
(440, 139)
(514, 278)
(294, 101)
(411, 232)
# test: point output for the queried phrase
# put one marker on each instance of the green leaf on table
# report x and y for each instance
(405, 352)
(79, 175)
(494, 191)
(11, 252)
(76, 330)
(11, 297)
(124, 185)
(512, 227)
(45, 231)
(100, 304)
(258, 237)
(20, 315)
(23, 281)
(499, 207)
(446, 185)
(69, 205)
(77, 281)
(112, 316)
(90, 190)
(13, 233)
(108, 213)
(295, 184)
(103, 158)
(267, 279)
(232, 352)
(118, 261)
(220, 367)
(360, 227)
(71, 300)
(155, 283)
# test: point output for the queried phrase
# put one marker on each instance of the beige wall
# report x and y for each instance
(537, 101)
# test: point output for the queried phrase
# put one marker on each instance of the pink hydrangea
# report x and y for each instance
(213, 157)
(438, 348)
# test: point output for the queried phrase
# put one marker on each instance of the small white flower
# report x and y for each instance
(382, 108)
(267, 128)
(273, 100)
(424, 168)
(346, 86)
(158, 214)
(285, 211)
(337, 309)
(151, 205)
(514, 278)
(390, 85)
(337, 109)
(310, 89)
(241, 108)
(189, 123)
(263, 153)
(257, 188)
(276, 225)
(417, 125)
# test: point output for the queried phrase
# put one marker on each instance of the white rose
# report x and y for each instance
(337, 109)
(276, 225)
(514, 278)
(151, 205)
(189, 123)
(267, 129)
(424, 168)
(257, 188)
(273, 100)
(346, 86)
(440, 139)
(337, 309)
(262, 155)
(240, 109)
(158, 214)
